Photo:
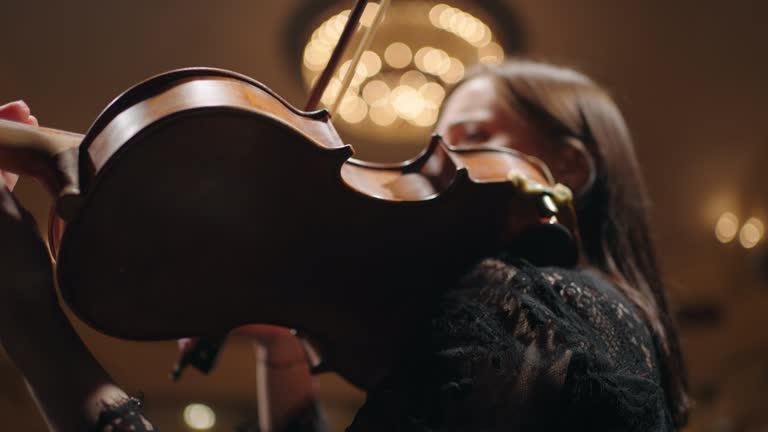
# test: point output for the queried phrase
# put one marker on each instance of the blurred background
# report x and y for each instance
(691, 77)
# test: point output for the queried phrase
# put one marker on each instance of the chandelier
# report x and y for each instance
(419, 51)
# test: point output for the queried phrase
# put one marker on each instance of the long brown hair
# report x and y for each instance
(613, 213)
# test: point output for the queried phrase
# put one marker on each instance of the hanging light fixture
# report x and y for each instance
(401, 80)
(420, 50)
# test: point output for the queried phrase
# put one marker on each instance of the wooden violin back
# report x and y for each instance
(209, 202)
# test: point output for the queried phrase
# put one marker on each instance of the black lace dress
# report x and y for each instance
(512, 348)
(519, 348)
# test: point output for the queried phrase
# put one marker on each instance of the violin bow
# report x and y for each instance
(364, 44)
(346, 36)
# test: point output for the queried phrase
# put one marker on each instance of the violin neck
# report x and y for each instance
(49, 155)
(26, 149)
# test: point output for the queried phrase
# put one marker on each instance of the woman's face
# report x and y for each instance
(476, 115)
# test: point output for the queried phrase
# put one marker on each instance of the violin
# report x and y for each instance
(200, 200)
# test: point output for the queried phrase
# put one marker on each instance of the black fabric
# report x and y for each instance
(512, 348)
(310, 419)
(124, 416)
(520, 348)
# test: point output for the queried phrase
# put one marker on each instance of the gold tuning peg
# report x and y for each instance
(562, 194)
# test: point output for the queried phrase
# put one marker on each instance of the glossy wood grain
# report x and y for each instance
(209, 202)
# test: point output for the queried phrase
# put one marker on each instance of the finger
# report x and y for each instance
(10, 179)
(15, 111)
(8, 205)
(186, 344)
(263, 331)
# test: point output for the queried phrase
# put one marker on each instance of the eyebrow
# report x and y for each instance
(484, 115)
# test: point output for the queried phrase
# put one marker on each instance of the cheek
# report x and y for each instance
(574, 181)
(502, 140)
(524, 140)
(515, 141)
(575, 173)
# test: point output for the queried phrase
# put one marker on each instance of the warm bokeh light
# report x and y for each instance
(376, 93)
(316, 55)
(398, 55)
(361, 72)
(436, 62)
(427, 117)
(331, 92)
(434, 13)
(383, 115)
(433, 94)
(199, 416)
(444, 20)
(353, 109)
(401, 80)
(751, 233)
(461, 24)
(418, 58)
(372, 63)
(491, 54)
(727, 227)
(369, 13)
(413, 79)
(454, 73)
(407, 102)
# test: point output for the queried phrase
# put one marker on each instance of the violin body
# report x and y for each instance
(206, 202)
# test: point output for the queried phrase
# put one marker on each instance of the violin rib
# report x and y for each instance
(209, 202)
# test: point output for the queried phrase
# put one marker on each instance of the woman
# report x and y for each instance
(512, 346)
(515, 347)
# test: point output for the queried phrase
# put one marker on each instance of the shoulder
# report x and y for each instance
(585, 307)
(513, 343)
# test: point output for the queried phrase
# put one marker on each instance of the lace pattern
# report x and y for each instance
(515, 347)
(123, 416)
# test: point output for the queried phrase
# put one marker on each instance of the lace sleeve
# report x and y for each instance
(516, 347)
(474, 366)
(123, 416)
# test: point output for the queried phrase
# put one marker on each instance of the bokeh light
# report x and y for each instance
(751, 233)
(199, 416)
(401, 80)
(398, 55)
(727, 227)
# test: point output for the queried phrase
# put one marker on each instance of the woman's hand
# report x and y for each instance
(284, 386)
(25, 264)
(19, 112)
(281, 343)
(27, 293)
(24, 258)
(68, 384)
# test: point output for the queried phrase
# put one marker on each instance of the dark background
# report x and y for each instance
(690, 76)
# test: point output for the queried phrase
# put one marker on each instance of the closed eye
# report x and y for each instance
(477, 137)
(473, 134)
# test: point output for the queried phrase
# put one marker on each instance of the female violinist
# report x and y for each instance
(516, 347)
(509, 346)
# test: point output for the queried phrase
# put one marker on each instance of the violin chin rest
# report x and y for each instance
(546, 245)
